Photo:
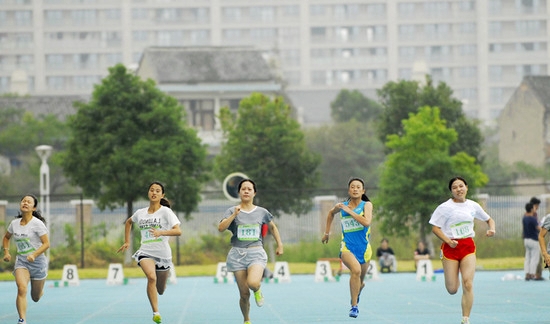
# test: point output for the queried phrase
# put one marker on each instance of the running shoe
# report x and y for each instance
(354, 311)
(21, 321)
(248, 322)
(465, 320)
(157, 319)
(259, 298)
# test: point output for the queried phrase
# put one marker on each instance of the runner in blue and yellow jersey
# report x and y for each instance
(355, 250)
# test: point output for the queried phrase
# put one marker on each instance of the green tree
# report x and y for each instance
(128, 135)
(353, 105)
(399, 99)
(20, 133)
(347, 149)
(415, 175)
(266, 143)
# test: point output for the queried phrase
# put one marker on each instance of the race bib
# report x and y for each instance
(148, 237)
(248, 232)
(462, 230)
(349, 224)
(24, 245)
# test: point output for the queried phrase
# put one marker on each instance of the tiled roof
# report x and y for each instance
(206, 64)
(60, 106)
(541, 86)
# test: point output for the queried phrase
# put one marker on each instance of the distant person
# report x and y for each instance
(386, 257)
(156, 223)
(31, 265)
(536, 204)
(453, 223)
(421, 253)
(530, 242)
(355, 249)
(247, 258)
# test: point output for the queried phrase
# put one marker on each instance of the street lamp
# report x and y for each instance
(44, 152)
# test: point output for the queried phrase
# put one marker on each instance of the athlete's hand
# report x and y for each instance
(124, 247)
(324, 239)
(453, 243)
(279, 250)
(30, 257)
(7, 256)
(490, 233)
(237, 210)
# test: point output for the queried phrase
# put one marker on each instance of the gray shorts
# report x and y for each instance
(38, 269)
(242, 258)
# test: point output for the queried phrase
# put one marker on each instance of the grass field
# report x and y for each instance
(515, 263)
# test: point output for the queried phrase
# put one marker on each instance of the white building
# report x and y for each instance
(482, 49)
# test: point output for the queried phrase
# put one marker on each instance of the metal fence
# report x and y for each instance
(507, 212)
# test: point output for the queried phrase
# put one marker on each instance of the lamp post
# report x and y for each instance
(44, 152)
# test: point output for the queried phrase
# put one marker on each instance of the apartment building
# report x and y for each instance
(482, 49)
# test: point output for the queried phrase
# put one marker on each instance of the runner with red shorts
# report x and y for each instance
(453, 223)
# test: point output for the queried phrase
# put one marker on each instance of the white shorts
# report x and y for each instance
(243, 258)
(38, 269)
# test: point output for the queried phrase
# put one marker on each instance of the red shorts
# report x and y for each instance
(464, 248)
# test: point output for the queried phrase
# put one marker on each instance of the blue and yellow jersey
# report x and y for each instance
(355, 237)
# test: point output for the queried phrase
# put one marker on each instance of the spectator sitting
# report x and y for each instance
(386, 257)
(421, 253)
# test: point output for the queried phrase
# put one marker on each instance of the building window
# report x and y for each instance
(25, 62)
(232, 104)
(290, 11)
(495, 72)
(54, 61)
(467, 5)
(23, 18)
(291, 57)
(406, 31)
(56, 82)
(85, 61)
(136, 57)
(201, 114)
(112, 14)
(467, 49)
(84, 17)
(467, 95)
(468, 72)
(406, 9)
(232, 14)
(467, 27)
(496, 95)
(495, 48)
(54, 17)
(529, 27)
(200, 36)
(436, 8)
(4, 84)
(113, 58)
(23, 40)
(139, 35)
(495, 6)
(292, 77)
(317, 10)
(232, 35)
(265, 14)
(527, 6)
(263, 34)
(318, 33)
(495, 28)
(407, 52)
(405, 74)
(140, 13)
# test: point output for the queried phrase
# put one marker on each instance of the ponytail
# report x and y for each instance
(165, 202)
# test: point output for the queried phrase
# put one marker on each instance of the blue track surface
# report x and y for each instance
(395, 298)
